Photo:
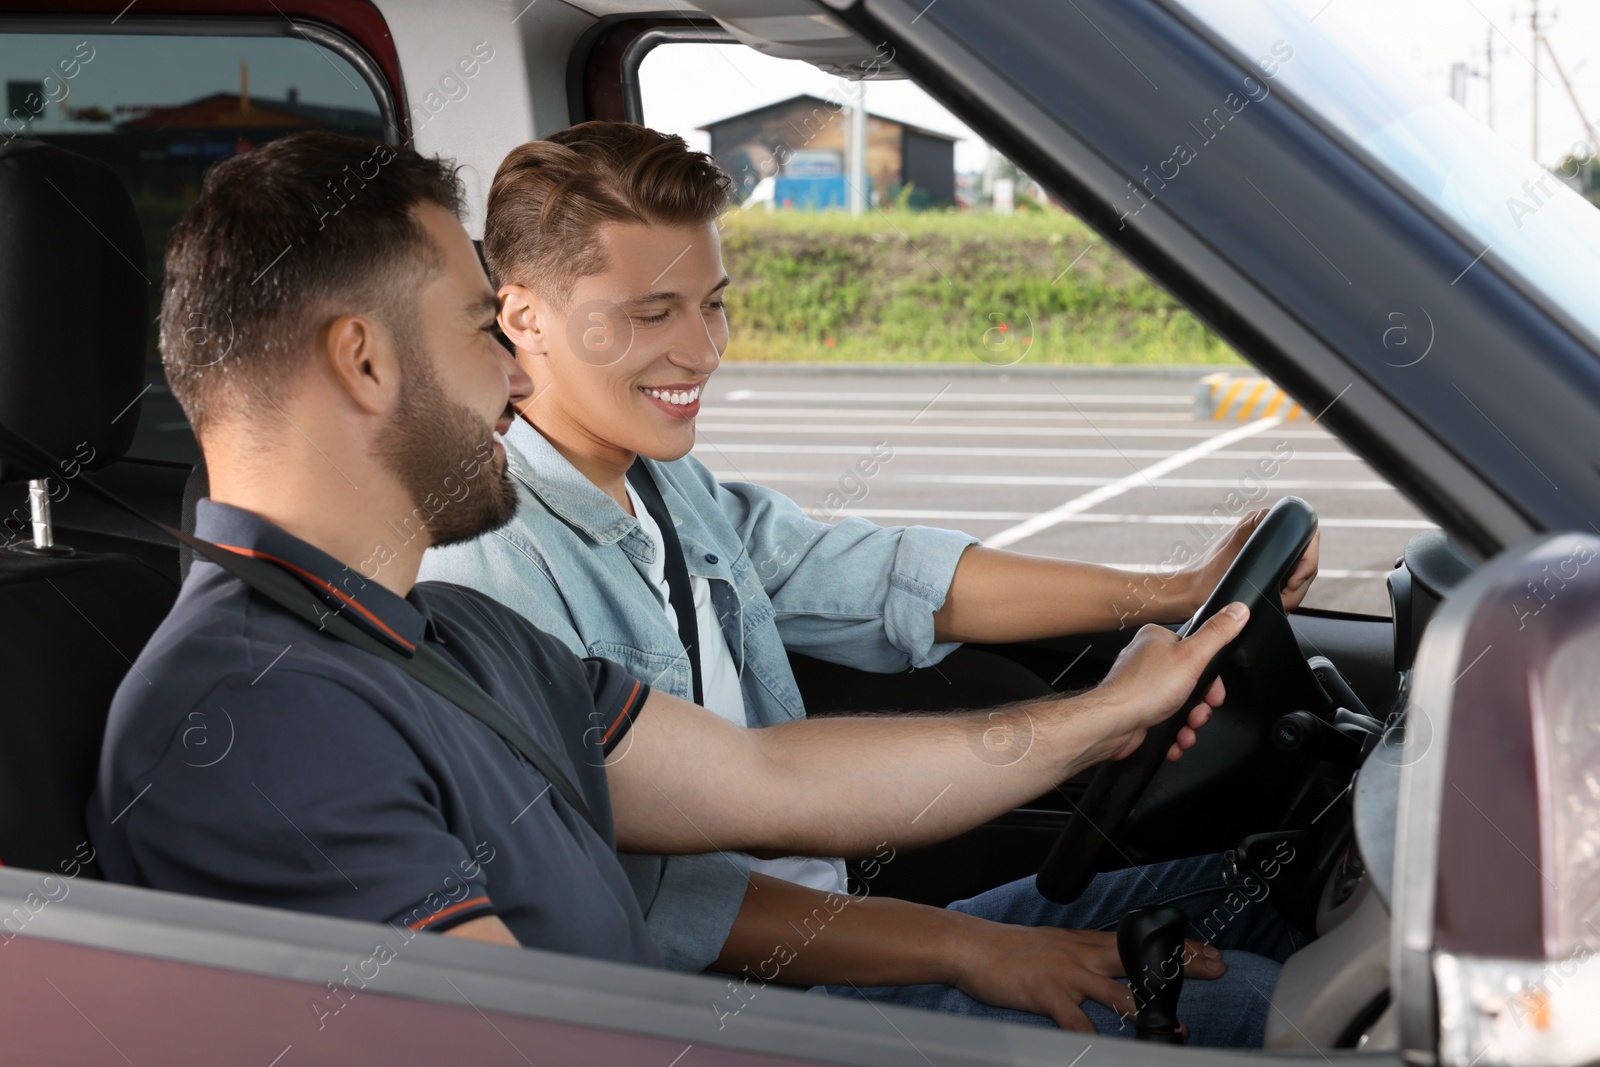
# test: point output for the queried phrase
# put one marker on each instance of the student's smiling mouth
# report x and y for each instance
(678, 400)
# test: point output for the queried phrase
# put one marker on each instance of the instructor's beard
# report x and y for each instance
(444, 455)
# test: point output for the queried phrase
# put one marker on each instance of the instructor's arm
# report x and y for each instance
(684, 780)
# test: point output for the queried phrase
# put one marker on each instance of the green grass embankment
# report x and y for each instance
(901, 286)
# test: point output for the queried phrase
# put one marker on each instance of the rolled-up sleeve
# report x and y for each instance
(852, 593)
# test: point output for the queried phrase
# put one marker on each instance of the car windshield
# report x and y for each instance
(1516, 211)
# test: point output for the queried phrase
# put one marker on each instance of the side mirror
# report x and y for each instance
(1497, 857)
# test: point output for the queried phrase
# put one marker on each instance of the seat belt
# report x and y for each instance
(677, 571)
(426, 665)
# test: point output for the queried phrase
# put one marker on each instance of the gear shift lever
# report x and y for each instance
(1150, 943)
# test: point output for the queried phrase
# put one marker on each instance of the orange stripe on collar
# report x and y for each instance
(308, 576)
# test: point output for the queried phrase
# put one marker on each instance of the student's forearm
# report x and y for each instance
(999, 596)
(799, 936)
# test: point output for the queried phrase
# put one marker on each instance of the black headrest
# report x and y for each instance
(73, 292)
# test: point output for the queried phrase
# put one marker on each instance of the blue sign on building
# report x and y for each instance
(813, 194)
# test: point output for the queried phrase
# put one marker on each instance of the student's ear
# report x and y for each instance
(361, 357)
(524, 319)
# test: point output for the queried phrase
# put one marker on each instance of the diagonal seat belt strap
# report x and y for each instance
(426, 665)
(677, 571)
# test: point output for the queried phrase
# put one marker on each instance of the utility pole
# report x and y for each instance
(858, 151)
(1572, 93)
(1459, 72)
(1535, 22)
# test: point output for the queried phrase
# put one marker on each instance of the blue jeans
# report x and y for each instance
(1230, 1011)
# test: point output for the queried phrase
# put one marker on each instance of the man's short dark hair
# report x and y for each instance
(284, 239)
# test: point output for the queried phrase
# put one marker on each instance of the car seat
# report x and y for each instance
(72, 318)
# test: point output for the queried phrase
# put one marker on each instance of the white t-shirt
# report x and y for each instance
(719, 681)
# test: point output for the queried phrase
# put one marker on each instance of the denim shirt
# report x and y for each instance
(576, 565)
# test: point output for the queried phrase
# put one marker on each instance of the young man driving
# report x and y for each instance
(603, 242)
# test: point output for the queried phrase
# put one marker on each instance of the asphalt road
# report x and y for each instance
(1056, 465)
(1107, 469)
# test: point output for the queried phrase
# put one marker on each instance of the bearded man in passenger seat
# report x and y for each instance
(602, 241)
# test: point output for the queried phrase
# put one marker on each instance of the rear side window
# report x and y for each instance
(160, 108)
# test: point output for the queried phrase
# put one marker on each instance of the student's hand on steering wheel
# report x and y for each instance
(1050, 972)
(1204, 574)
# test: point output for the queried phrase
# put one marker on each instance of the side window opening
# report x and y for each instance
(966, 353)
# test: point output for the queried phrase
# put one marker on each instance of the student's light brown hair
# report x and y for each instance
(550, 197)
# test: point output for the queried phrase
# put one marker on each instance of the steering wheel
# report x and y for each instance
(1265, 651)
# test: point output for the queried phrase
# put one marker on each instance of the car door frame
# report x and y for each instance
(157, 947)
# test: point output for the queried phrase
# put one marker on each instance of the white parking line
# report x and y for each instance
(1322, 572)
(1136, 520)
(1098, 496)
(829, 474)
(942, 412)
(1186, 399)
(934, 513)
(902, 430)
(1019, 457)
(976, 452)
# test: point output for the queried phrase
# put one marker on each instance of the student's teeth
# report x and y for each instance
(678, 397)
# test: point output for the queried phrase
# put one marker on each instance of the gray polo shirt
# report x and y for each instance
(254, 758)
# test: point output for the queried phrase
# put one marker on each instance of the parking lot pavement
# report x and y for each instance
(1105, 469)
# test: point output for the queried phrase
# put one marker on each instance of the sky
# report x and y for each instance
(688, 85)
(110, 69)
